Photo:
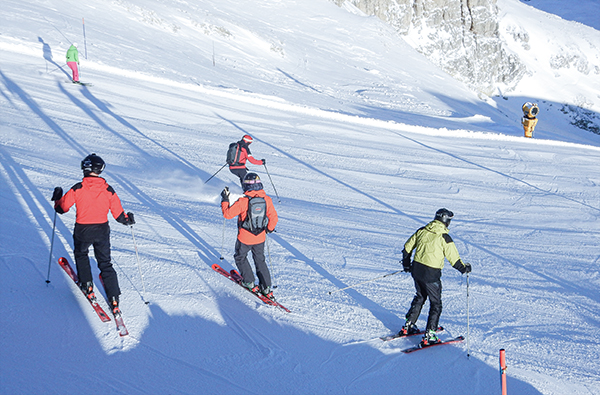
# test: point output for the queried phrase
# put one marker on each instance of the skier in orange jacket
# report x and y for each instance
(252, 230)
(93, 199)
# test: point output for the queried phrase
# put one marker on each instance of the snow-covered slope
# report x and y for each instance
(364, 140)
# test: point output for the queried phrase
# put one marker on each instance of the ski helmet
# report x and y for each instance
(252, 182)
(92, 164)
(248, 139)
(444, 216)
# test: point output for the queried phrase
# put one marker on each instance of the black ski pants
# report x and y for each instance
(424, 291)
(98, 236)
(258, 255)
(241, 173)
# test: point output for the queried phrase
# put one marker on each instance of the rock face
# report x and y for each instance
(460, 36)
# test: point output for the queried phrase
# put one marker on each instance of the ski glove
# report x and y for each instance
(269, 231)
(264, 161)
(126, 219)
(462, 267)
(58, 194)
(225, 195)
(130, 220)
(406, 263)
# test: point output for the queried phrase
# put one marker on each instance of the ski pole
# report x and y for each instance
(468, 345)
(270, 264)
(51, 248)
(215, 173)
(275, 189)
(364, 282)
(138, 261)
(223, 240)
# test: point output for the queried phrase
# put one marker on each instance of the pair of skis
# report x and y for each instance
(64, 263)
(234, 276)
(422, 346)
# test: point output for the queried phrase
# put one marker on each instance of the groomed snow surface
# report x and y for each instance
(364, 139)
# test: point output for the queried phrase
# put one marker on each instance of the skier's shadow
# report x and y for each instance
(47, 51)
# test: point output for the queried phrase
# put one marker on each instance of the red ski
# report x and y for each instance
(118, 317)
(64, 263)
(237, 278)
(420, 346)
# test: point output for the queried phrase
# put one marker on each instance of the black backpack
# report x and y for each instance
(256, 218)
(234, 153)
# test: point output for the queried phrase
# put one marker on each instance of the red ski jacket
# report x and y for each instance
(93, 198)
(240, 208)
(244, 156)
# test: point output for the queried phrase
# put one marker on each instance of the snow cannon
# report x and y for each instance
(529, 120)
(530, 110)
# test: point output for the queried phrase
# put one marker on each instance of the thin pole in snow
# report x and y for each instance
(84, 39)
(51, 248)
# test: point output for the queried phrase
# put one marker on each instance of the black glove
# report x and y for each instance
(225, 195)
(269, 231)
(264, 161)
(406, 263)
(58, 193)
(130, 220)
(463, 267)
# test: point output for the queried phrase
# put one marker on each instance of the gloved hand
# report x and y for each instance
(463, 267)
(225, 195)
(58, 193)
(269, 231)
(129, 220)
(264, 161)
(406, 262)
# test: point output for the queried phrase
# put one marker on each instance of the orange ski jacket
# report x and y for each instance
(93, 198)
(240, 209)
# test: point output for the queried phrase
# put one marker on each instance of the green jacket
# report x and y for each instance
(432, 244)
(72, 54)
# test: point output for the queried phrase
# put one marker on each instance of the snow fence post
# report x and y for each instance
(503, 370)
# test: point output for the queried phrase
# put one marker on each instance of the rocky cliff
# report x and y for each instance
(460, 36)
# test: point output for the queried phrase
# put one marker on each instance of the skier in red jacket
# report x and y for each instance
(238, 167)
(252, 233)
(93, 199)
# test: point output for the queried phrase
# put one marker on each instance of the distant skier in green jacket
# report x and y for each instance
(73, 61)
(431, 244)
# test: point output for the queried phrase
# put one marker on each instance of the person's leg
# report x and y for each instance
(434, 291)
(262, 270)
(107, 271)
(81, 246)
(417, 303)
(241, 260)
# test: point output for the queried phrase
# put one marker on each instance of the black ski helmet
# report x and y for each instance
(444, 216)
(252, 182)
(92, 164)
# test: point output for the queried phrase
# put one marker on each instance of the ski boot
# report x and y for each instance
(251, 286)
(88, 290)
(408, 329)
(266, 291)
(113, 303)
(429, 338)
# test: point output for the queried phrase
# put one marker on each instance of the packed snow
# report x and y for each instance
(364, 139)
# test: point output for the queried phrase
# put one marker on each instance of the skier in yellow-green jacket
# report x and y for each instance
(431, 244)
(73, 61)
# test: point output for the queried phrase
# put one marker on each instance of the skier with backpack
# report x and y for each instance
(432, 244)
(93, 199)
(256, 217)
(237, 155)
